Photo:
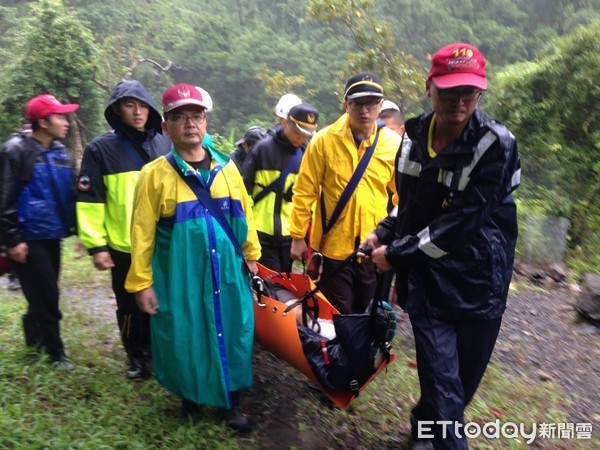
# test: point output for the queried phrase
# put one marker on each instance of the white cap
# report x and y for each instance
(207, 99)
(389, 105)
(285, 103)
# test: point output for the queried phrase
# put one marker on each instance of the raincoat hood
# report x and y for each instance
(132, 89)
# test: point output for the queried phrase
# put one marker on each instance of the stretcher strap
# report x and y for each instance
(326, 226)
(209, 203)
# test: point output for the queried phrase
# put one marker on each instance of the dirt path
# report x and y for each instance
(541, 336)
(543, 333)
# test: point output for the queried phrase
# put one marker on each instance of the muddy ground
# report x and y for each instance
(541, 334)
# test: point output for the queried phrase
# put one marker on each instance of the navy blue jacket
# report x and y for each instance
(238, 156)
(37, 191)
(453, 236)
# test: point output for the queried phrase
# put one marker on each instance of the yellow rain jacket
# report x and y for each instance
(203, 332)
(328, 164)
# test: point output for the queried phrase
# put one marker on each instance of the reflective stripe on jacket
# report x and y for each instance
(454, 237)
(262, 167)
(106, 184)
(109, 171)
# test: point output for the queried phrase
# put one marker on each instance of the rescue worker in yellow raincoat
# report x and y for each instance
(193, 245)
(332, 165)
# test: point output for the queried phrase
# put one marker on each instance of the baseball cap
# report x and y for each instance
(183, 94)
(363, 84)
(43, 105)
(304, 117)
(207, 98)
(253, 135)
(387, 104)
(285, 103)
(458, 64)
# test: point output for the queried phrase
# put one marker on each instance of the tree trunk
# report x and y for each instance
(77, 146)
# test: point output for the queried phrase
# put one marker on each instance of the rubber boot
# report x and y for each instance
(236, 419)
(131, 339)
(146, 341)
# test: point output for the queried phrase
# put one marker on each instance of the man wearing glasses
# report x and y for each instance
(452, 240)
(346, 169)
(192, 236)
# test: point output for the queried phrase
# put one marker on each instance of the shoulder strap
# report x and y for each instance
(135, 156)
(349, 189)
(209, 203)
(279, 182)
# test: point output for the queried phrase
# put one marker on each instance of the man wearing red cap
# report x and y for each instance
(37, 210)
(452, 240)
(193, 244)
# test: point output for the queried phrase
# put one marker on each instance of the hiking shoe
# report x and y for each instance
(238, 421)
(136, 370)
(62, 363)
(13, 284)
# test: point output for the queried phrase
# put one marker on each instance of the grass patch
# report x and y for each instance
(379, 417)
(95, 407)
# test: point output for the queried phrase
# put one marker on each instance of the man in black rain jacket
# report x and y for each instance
(452, 240)
(109, 171)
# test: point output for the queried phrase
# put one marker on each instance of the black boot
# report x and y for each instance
(189, 408)
(235, 418)
(31, 330)
(131, 337)
(137, 370)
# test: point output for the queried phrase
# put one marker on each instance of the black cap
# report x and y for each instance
(304, 117)
(253, 135)
(364, 84)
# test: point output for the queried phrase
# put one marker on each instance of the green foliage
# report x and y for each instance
(223, 144)
(557, 126)
(542, 234)
(376, 48)
(95, 407)
(246, 54)
(249, 53)
(53, 52)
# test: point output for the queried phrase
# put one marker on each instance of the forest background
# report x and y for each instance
(543, 64)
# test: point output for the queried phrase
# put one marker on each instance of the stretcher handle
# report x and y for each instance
(258, 289)
(319, 269)
(367, 250)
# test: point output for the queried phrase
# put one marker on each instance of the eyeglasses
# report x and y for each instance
(466, 95)
(181, 118)
(370, 105)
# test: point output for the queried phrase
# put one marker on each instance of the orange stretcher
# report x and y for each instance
(277, 331)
